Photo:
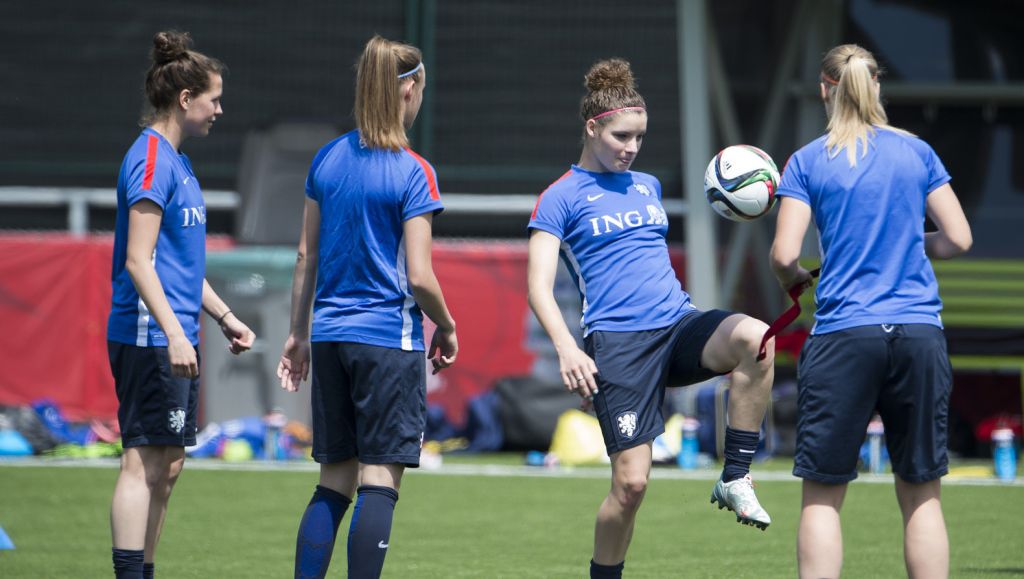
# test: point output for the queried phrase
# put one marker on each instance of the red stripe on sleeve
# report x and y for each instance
(431, 178)
(537, 205)
(147, 179)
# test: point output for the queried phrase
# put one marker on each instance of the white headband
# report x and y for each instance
(413, 71)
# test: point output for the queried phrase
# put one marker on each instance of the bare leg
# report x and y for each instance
(381, 475)
(129, 510)
(613, 531)
(161, 483)
(819, 543)
(734, 348)
(925, 543)
(341, 477)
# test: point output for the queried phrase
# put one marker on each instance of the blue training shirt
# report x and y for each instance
(365, 195)
(152, 169)
(613, 228)
(870, 221)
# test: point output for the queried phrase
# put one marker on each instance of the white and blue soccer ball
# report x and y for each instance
(740, 183)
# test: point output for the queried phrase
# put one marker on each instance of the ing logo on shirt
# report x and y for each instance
(193, 216)
(628, 220)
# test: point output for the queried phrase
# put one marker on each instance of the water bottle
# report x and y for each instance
(273, 447)
(1004, 454)
(876, 436)
(535, 458)
(689, 447)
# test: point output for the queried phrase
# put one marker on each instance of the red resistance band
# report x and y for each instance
(787, 316)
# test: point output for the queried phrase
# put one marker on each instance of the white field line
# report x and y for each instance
(589, 472)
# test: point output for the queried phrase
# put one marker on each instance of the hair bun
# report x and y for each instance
(608, 74)
(170, 45)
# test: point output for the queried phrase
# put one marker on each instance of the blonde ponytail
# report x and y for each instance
(378, 106)
(850, 74)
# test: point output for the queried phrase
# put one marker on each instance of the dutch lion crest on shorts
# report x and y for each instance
(176, 420)
(627, 424)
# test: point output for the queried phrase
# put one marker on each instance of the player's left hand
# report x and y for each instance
(801, 279)
(444, 347)
(239, 336)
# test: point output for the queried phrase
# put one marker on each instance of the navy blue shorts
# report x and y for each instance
(369, 402)
(844, 377)
(154, 406)
(635, 367)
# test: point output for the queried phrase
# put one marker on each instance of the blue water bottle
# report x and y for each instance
(273, 447)
(876, 436)
(1004, 454)
(689, 447)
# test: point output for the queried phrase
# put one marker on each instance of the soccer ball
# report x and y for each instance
(740, 183)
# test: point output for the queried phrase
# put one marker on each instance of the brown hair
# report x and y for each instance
(175, 68)
(610, 86)
(378, 107)
(849, 74)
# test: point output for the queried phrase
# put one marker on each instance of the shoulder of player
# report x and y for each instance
(903, 137)
(645, 178)
(150, 154)
(416, 163)
(563, 186)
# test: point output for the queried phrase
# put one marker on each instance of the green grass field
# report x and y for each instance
(228, 524)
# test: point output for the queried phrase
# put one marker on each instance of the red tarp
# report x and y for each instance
(54, 301)
(55, 297)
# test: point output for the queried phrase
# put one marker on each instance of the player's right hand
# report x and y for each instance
(294, 365)
(579, 372)
(182, 355)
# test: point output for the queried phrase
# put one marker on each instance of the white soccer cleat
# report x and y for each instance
(738, 496)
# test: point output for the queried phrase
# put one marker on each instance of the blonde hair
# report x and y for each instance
(610, 87)
(850, 74)
(378, 107)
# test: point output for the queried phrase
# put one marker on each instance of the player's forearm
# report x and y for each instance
(147, 283)
(550, 317)
(785, 264)
(427, 292)
(303, 287)
(212, 303)
(938, 245)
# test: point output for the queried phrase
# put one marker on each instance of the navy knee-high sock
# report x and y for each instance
(370, 531)
(127, 563)
(740, 446)
(317, 532)
(606, 571)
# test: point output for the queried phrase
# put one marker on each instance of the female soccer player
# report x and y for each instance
(365, 245)
(641, 331)
(159, 287)
(877, 343)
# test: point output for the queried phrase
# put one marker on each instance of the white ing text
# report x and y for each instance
(194, 216)
(606, 223)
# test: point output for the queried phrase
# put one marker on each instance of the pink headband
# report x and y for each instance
(613, 111)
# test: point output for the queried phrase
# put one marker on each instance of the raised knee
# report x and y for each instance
(747, 341)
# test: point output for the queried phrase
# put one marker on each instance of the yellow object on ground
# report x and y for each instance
(577, 440)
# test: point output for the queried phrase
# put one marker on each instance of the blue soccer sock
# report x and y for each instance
(317, 532)
(740, 446)
(148, 569)
(370, 531)
(127, 563)
(606, 571)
